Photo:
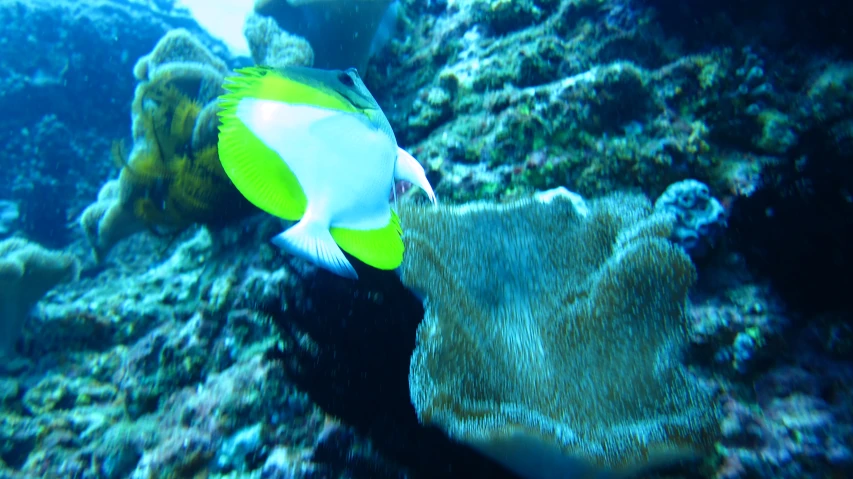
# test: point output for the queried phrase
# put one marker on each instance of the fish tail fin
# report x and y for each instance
(407, 168)
(380, 248)
(312, 241)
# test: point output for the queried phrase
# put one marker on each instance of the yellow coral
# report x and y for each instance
(183, 120)
(196, 187)
(182, 185)
(197, 192)
(167, 117)
(171, 178)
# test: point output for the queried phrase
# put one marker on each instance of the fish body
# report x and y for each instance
(313, 146)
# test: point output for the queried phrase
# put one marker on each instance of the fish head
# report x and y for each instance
(342, 90)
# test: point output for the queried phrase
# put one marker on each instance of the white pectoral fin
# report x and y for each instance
(407, 168)
(313, 242)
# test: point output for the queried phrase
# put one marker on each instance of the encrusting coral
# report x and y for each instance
(27, 272)
(553, 326)
(171, 177)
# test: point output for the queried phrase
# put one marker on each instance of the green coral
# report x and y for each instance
(558, 323)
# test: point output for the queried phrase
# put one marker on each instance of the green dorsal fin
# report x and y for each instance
(257, 171)
(288, 85)
(380, 248)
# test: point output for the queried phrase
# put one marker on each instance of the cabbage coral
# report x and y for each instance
(552, 333)
(27, 272)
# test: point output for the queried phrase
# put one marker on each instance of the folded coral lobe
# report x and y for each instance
(552, 334)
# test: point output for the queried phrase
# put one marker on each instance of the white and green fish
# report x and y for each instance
(313, 146)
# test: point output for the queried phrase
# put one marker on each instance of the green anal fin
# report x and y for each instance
(380, 248)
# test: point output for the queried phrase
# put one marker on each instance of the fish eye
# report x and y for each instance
(346, 79)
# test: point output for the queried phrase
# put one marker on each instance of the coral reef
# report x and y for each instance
(27, 272)
(503, 98)
(157, 368)
(164, 372)
(782, 379)
(556, 321)
(551, 134)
